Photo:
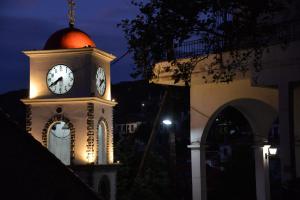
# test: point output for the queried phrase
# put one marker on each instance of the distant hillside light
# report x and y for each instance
(167, 122)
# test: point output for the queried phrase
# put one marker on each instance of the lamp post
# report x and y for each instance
(171, 138)
(168, 123)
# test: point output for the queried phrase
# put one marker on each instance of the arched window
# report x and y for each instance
(59, 141)
(102, 143)
(104, 187)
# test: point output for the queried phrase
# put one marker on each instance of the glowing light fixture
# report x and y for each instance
(269, 151)
(272, 151)
(167, 122)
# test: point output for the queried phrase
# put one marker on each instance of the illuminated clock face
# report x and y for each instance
(100, 81)
(60, 79)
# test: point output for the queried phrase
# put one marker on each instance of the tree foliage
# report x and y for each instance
(154, 184)
(161, 27)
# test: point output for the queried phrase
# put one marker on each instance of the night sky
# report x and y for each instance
(27, 24)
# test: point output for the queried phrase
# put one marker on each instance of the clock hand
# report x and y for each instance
(55, 82)
(60, 81)
(101, 81)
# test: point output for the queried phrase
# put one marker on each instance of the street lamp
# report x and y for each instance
(172, 150)
(272, 151)
(167, 122)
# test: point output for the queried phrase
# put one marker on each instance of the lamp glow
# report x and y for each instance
(33, 92)
(272, 151)
(90, 158)
(111, 156)
(167, 122)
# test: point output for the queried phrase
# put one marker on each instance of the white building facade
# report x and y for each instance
(275, 93)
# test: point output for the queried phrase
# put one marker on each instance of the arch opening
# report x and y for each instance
(59, 141)
(102, 142)
(230, 163)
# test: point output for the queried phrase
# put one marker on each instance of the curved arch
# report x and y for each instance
(50, 122)
(250, 108)
(229, 156)
(102, 123)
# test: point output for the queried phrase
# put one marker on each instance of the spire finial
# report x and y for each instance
(71, 13)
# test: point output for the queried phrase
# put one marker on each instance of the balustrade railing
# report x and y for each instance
(283, 32)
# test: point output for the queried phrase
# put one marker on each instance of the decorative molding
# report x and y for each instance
(90, 132)
(87, 50)
(111, 148)
(70, 101)
(28, 119)
(56, 118)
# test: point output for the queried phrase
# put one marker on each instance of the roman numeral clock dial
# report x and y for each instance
(60, 79)
(100, 81)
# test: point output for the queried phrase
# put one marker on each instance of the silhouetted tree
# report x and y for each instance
(221, 26)
(154, 184)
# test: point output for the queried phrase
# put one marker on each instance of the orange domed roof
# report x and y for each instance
(69, 38)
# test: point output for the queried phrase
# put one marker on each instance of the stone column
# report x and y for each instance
(262, 172)
(287, 144)
(198, 171)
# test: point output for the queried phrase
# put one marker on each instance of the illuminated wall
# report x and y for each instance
(83, 62)
(82, 106)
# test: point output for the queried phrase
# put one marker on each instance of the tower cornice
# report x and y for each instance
(69, 100)
(89, 50)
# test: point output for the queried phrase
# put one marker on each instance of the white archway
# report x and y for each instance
(102, 133)
(259, 114)
(59, 141)
(260, 117)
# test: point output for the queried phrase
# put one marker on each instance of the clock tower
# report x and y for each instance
(70, 110)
